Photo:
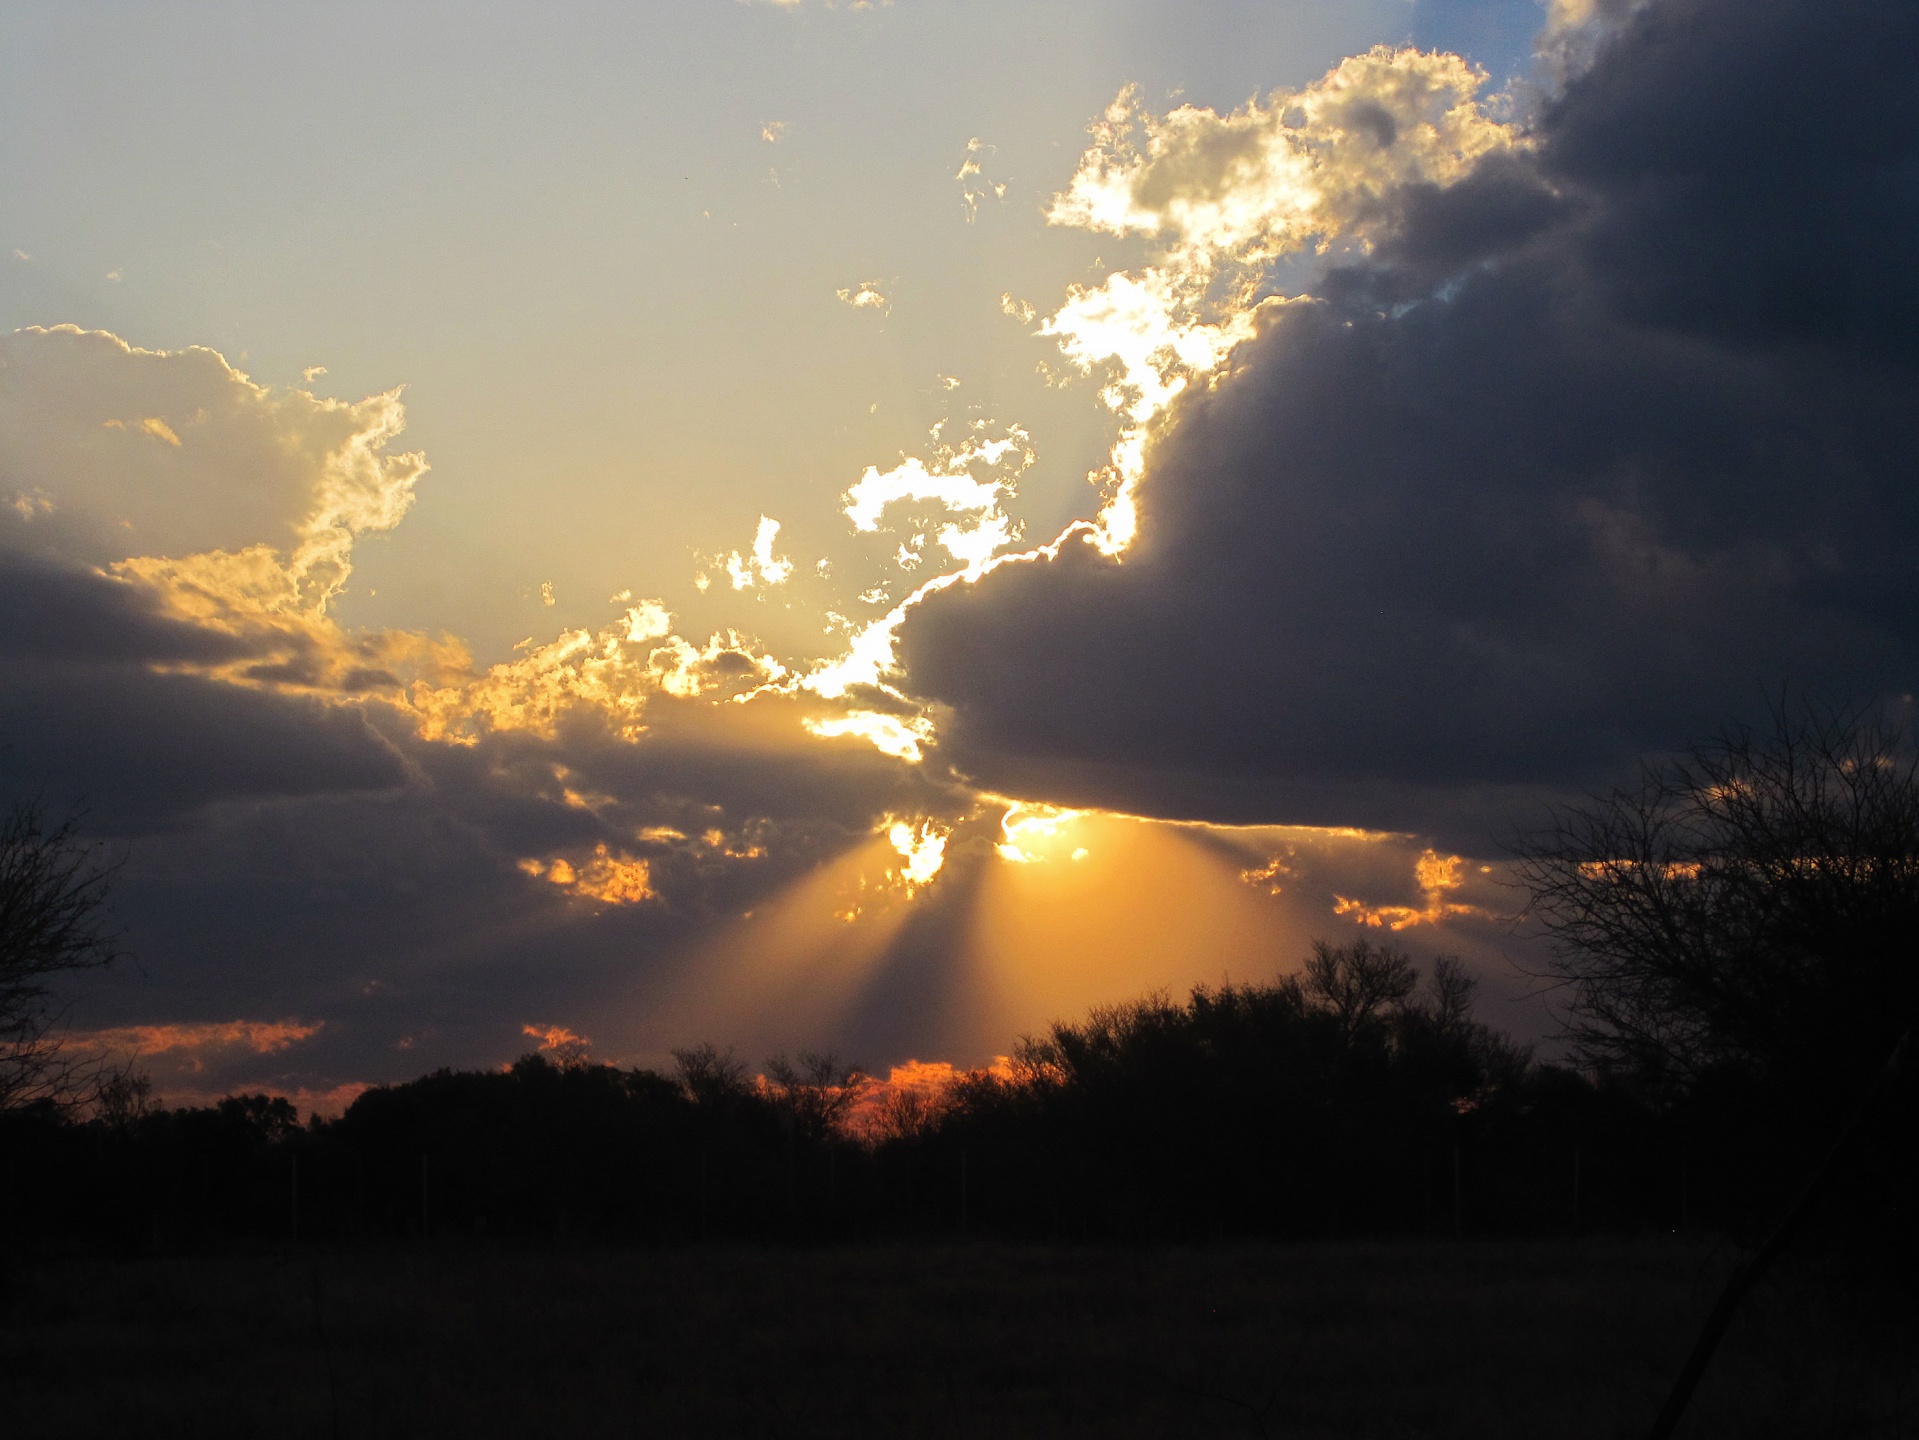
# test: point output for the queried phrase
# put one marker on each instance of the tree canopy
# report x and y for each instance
(1750, 907)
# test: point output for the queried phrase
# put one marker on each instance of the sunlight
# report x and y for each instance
(804, 955)
(923, 849)
(1033, 833)
(895, 735)
(1136, 906)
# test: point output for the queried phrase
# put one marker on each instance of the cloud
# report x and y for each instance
(559, 1042)
(611, 879)
(255, 471)
(974, 186)
(198, 1063)
(760, 567)
(610, 676)
(902, 737)
(1589, 437)
(261, 1037)
(1305, 165)
(235, 507)
(947, 486)
(866, 295)
(1440, 879)
(99, 702)
(1224, 195)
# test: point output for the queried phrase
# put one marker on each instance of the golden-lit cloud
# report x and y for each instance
(759, 566)
(922, 849)
(147, 425)
(610, 674)
(1218, 195)
(900, 736)
(559, 1043)
(1269, 876)
(180, 1059)
(261, 1037)
(268, 567)
(611, 879)
(228, 464)
(234, 506)
(237, 510)
(1439, 878)
(908, 1099)
(1303, 168)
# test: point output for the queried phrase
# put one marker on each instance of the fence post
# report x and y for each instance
(1459, 1218)
(963, 1196)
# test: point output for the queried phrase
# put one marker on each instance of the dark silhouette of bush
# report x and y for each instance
(1358, 1097)
(1316, 1104)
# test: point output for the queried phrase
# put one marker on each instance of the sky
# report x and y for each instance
(873, 527)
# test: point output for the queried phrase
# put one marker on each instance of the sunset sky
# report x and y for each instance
(871, 527)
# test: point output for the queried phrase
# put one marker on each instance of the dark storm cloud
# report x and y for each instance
(1598, 446)
(403, 918)
(52, 611)
(85, 716)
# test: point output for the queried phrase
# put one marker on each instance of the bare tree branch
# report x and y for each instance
(1751, 904)
(53, 923)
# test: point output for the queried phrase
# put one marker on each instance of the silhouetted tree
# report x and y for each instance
(53, 898)
(708, 1077)
(905, 1113)
(124, 1100)
(1359, 981)
(1451, 992)
(812, 1094)
(1750, 908)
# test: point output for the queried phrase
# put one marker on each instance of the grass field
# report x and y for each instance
(1560, 1339)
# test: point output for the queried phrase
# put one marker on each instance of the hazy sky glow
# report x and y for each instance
(873, 526)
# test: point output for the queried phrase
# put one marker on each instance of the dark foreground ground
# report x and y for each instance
(1568, 1339)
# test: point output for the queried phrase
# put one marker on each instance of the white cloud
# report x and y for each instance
(974, 186)
(761, 566)
(867, 295)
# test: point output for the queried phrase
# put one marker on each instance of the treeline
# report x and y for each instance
(1359, 1098)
